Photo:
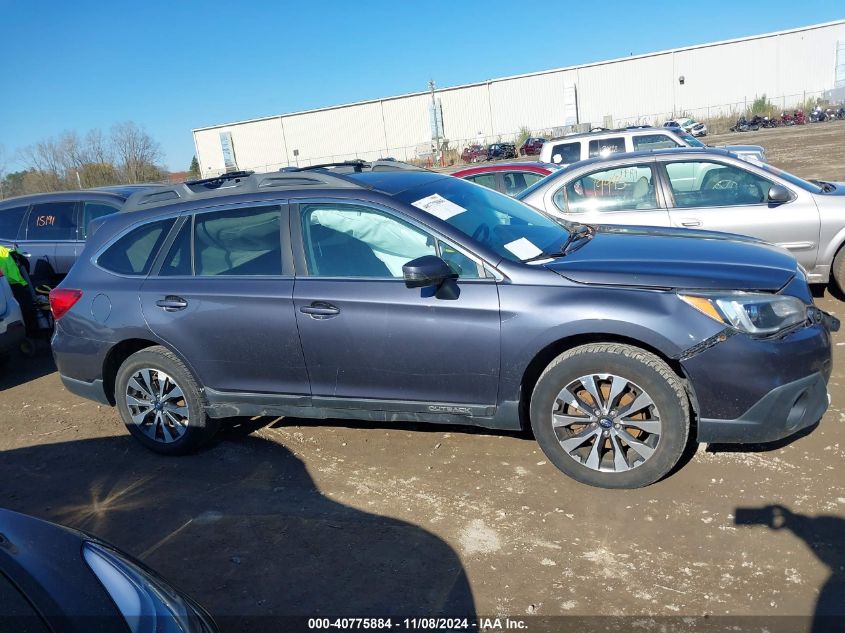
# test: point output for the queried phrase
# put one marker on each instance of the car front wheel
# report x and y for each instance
(611, 415)
(160, 403)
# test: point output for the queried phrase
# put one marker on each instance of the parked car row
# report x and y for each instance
(494, 151)
(687, 125)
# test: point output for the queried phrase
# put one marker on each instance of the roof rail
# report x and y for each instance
(236, 182)
(358, 166)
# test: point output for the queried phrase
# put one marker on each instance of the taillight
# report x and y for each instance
(62, 300)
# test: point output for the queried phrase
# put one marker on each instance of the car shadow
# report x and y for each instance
(825, 537)
(243, 529)
(19, 369)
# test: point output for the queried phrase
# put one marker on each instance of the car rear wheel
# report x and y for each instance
(611, 415)
(160, 403)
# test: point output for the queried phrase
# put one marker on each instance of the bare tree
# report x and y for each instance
(136, 152)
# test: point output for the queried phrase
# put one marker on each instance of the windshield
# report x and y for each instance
(795, 180)
(508, 227)
(691, 141)
(522, 195)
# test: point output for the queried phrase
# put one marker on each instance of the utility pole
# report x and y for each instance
(434, 120)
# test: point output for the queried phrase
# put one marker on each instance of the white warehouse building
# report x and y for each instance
(703, 81)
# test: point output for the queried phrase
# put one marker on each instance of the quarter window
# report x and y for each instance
(626, 188)
(10, 222)
(702, 183)
(606, 146)
(52, 221)
(92, 211)
(465, 267)
(133, 254)
(352, 241)
(566, 153)
(238, 242)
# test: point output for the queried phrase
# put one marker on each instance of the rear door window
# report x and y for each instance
(627, 188)
(133, 254)
(606, 146)
(517, 181)
(10, 222)
(179, 260)
(485, 180)
(52, 222)
(566, 153)
(238, 242)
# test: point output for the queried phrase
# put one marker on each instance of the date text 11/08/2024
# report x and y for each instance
(430, 624)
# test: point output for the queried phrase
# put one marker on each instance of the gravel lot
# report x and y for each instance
(360, 519)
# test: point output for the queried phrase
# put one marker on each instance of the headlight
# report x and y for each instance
(147, 603)
(752, 313)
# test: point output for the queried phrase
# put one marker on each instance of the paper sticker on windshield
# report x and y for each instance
(438, 206)
(523, 248)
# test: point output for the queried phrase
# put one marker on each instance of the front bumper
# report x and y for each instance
(761, 390)
(782, 412)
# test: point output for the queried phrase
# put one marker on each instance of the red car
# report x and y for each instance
(508, 178)
(474, 154)
(531, 146)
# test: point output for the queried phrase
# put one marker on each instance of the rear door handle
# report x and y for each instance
(690, 222)
(320, 310)
(172, 303)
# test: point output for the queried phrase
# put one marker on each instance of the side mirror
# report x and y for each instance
(427, 271)
(779, 194)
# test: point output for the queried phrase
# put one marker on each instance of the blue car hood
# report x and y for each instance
(657, 257)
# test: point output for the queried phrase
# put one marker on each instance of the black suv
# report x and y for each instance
(410, 295)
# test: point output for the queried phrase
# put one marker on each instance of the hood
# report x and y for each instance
(657, 257)
(836, 193)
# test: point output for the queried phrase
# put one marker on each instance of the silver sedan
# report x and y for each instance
(705, 189)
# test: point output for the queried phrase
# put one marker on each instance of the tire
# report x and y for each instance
(838, 269)
(611, 462)
(173, 423)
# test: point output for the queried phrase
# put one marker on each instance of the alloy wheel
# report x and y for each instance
(157, 405)
(606, 422)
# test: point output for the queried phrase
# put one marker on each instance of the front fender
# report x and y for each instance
(534, 318)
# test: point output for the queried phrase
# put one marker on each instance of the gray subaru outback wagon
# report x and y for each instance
(409, 295)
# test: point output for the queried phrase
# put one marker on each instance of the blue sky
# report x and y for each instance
(172, 66)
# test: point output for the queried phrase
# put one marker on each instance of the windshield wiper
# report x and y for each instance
(577, 235)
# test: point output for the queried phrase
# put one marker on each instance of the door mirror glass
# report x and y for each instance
(779, 194)
(427, 271)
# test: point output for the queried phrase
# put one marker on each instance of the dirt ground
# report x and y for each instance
(814, 150)
(360, 519)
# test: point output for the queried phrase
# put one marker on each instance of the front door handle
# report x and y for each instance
(690, 222)
(320, 310)
(172, 303)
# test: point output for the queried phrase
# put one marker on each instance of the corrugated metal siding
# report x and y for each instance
(718, 79)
